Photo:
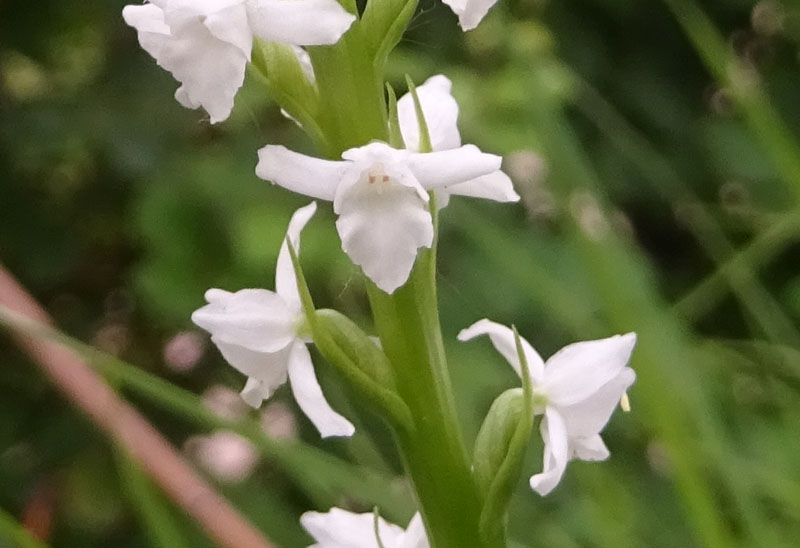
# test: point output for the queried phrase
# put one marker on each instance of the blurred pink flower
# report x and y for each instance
(225, 402)
(278, 421)
(225, 455)
(184, 350)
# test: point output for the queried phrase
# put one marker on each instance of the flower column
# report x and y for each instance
(434, 454)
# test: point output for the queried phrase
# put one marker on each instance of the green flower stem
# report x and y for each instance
(353, 107)
(434, 453)
(354, 112)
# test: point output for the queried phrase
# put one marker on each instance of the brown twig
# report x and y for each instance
(127, 427)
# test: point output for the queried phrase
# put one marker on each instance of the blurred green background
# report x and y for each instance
(658, 158)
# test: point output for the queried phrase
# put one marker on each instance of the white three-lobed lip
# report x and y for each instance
(380, 193)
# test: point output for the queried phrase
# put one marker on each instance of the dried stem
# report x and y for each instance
(128, 428)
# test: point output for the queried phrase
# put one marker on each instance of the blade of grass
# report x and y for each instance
(155, 514)
(94, 397)
(331, 476)
(770, 317)
(740, 276)
(764, 121)
(15, 533)
(769, 243)
(531, 276)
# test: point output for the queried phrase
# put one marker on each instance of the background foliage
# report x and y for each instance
(651, 202)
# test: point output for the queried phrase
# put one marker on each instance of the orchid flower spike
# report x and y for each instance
(342, 529)
(470, 12)
(381, 196)
(206, 44)
(263, 334)
(440, 111)
(577, 390)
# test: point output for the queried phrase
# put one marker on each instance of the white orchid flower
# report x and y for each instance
(262, 334)
(342, 529)
(381, 196)
(206, 44)
(577, 390)
(440, 110)
(470, 12)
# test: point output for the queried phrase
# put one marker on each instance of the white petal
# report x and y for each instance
(441, 115)
(503, 340)
(589, 416)
(589, 449)
(451, 167)
(256, 319)
(299, 22)
(148, 20)
(496, 186)
(285, 280)
(255, 391)
(579, 370)
(415, 535)
(382, 224)
(210, 69)
(555, 453)
(470, 12)
(308, 394)
(182, 96)
(300, 173)
(341, 529)
(377, 151)
(266, 371)
(198, 7)
(231, 25)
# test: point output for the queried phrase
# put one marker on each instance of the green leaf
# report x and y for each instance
(395, 135)
(424, 135)
(362, 350)
(384, 22)
(500, 450)
(279, 68)
(358, 360)
(495, 435)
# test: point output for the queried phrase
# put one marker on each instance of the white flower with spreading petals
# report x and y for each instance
(341, 529)
(577, 390)
(381, 196)
(440, 110)
(470, 12)
(262, 334)
(206, 44)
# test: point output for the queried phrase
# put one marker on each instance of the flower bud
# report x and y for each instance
(498, 458)
(494, 438)
(333, 328)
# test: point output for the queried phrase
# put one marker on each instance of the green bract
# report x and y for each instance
(500, 450)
